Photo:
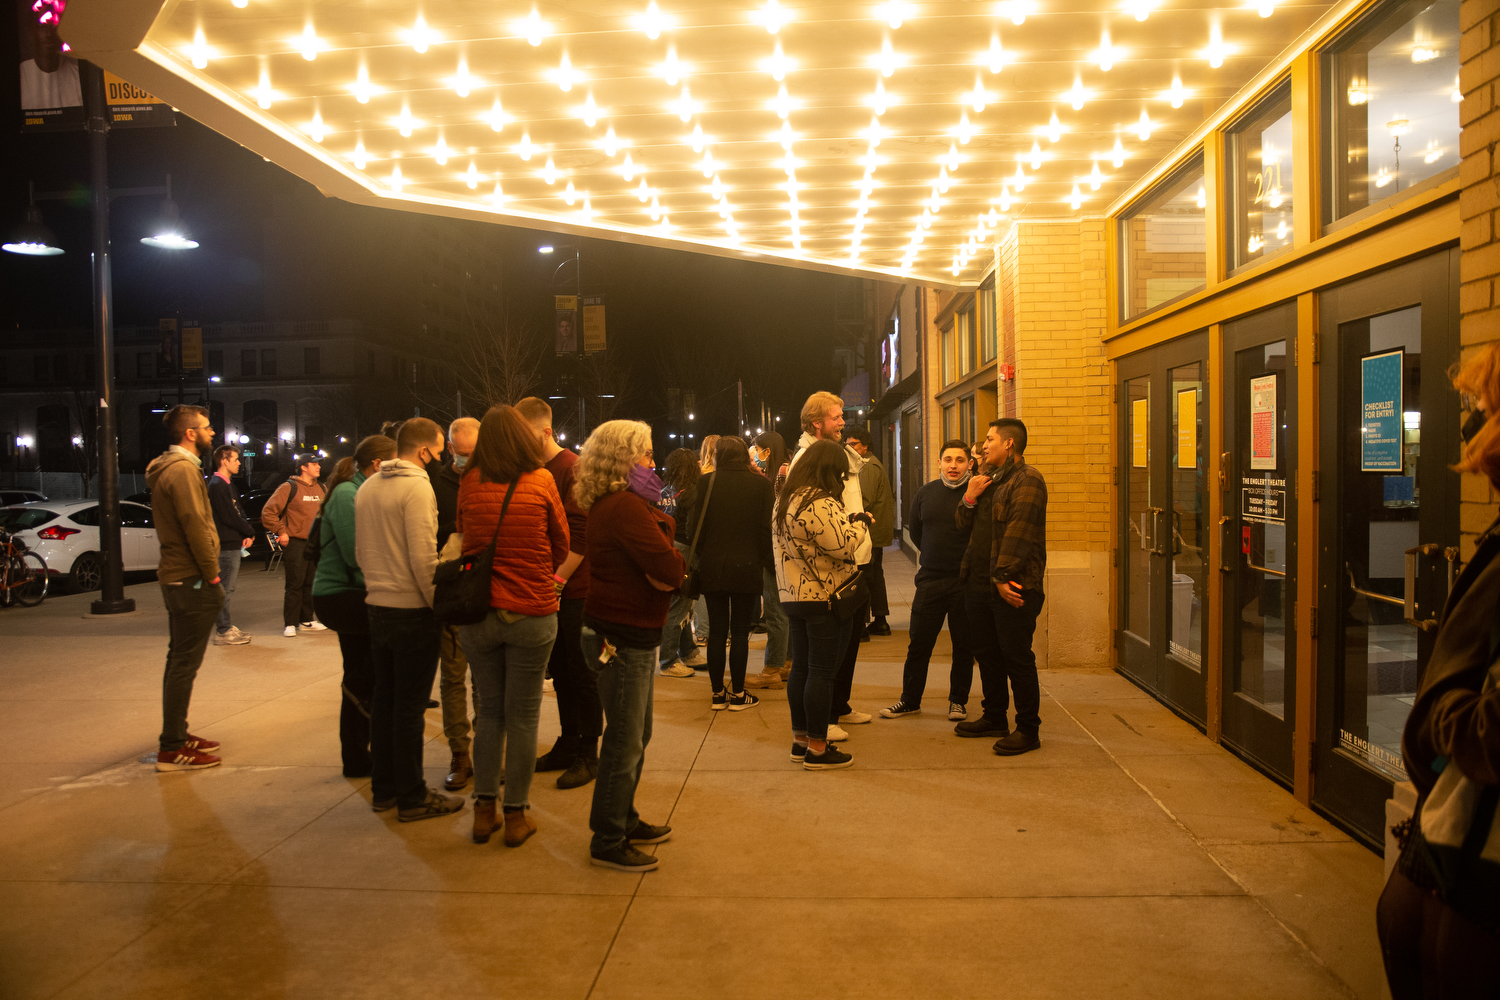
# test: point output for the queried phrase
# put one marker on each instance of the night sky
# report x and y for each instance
(723, 319)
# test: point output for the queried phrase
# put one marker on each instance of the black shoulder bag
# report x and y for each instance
(691, 586)
(462, 595)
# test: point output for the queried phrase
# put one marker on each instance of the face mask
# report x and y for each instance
(760, 463)
(1473, 425)
(645, 484)
(459, 461)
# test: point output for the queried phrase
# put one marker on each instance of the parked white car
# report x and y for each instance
(66, 535)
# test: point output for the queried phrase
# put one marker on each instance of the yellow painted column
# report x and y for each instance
(1304, 725)
(1213, 677)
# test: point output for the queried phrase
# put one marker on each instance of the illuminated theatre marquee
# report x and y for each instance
(878, 138)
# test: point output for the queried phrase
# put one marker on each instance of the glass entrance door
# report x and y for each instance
(1164, 510)
(1260, 544)
(1389, 521)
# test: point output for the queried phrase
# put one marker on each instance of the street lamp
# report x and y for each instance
(577, 262)
(32, 237)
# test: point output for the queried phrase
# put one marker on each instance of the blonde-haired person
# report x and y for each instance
(1436, 919)
(633, 571)
(339, 598)
(707, 453)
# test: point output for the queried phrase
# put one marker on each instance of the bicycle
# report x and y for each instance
(23, 573)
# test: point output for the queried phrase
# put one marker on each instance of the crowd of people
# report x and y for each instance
(742, 537)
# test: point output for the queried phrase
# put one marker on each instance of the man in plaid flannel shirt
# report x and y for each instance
(1002, 573)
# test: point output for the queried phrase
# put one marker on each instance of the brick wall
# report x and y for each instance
(1164, 257)
(1479, 204)
(1062, 377)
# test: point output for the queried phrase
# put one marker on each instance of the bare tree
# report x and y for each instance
(84, 414)
(493, 364)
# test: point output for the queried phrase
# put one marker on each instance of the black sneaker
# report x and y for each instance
(829, 760)
(559, 758)
(624, 859)
(435, 805)
(721, 700)
(743, 700)
(880, 627)
(648, 833)
(899, 709)
(579, 773)
(1017, 743)
(982, 726)
(799, 752)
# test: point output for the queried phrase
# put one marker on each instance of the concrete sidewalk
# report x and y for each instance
(1129, 857)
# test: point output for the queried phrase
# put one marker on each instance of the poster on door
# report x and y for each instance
(1140, 427)
(1187, 429)
(1380, 403)
(1263, 422)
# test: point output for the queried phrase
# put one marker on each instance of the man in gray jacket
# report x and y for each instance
(880, 502)
(395, 542)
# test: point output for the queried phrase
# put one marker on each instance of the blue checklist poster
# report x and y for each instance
(1380, 399)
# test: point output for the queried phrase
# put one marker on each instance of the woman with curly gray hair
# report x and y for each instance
(633, 571)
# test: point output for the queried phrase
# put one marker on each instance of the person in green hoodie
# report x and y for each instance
(189, 576)
(338, 593)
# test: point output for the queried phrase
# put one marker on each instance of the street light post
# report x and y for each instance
(578, 317)
(112, 599)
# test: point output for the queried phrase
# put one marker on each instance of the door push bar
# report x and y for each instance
(1431, 550)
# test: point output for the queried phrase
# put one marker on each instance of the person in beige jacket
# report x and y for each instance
(289, 514)
(189, 577)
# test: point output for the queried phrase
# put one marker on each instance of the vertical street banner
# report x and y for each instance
(1187, 429)
(192, 347)
(51, 90)
(1263, 422)
(566, 307)
(593, 324)
(132, 107)
(1140, 432)
(168, 350)
(1381, 392)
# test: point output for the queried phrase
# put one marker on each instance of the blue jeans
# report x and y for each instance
(404, 651)
(229, 573)
(626, 685)
(776, 622)
(507, 660)
(818, 640)
(676, 641)
(701, 610)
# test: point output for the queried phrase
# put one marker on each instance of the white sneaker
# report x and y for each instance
(230, 638)
(698, 659)
(836, 735)
(290, 631)
(677, 669)
(855, 718)
(236, 630)
(314, 626)
(957, 712)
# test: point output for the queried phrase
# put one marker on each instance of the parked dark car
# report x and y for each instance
(9, 497)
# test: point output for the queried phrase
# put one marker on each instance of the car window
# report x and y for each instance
(88, 516)
(22, 518)
(8, 498)
(133, 515)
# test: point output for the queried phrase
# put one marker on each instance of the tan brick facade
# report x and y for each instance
(1479, 206)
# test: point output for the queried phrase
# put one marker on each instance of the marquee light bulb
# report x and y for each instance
(570, 195)
(1020, 179)
(565, 74)
(471, 178)
(887, 60)
(359, 155)
(199, 50)
(685, 105)
(316, 129)
(588, 209)
(263, 93)
(1216, 50)
(1143, 127)
(1016, 10)
(993, 218)
(1119, 155)
(1054, 128)
(362, 88)
(549, 171)
(716, 189)
(996, 55)
(1106, 53)
(953, 160)
(1202, 198)
(420, 35)
(1266, 8)
(942, 181)
(697, 138)
(405, 122)
(498, 197)
(461, 80)
(1177, 94)
(1004, 198)
(670, 70)
(786, 136)
(1095, 177)
(642, 192)
(1141, 9)
(590, 111)
(1076, 198)
(533, 28)
(878, 102)
(893, 13)
(772, 16)
(627, 169)
(707, 166)
(978, 98)
(497, 116)
(655, 210)
(965, 130)
(309, 44)
(525, 149)
(778, 64)
(611, 144)
(1078, 95)
(1036, 156)
(396, 178)
(652, 21)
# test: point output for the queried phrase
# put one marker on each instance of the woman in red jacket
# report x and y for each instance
(633, 570)
(507, 495)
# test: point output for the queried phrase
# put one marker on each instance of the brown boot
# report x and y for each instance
(786, 671)
(768, 679)
(485, 822)
(459, 772)
(518, 827)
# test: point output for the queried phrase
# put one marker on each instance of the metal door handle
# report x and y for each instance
(1370, 594)
(1410, 603)
(1265, 569)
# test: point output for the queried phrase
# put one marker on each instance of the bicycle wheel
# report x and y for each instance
(28, 579)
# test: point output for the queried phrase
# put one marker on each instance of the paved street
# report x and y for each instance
(1130, 857)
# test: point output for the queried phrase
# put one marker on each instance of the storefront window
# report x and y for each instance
(1394, 103)
(1261, 180)
(1163, 242)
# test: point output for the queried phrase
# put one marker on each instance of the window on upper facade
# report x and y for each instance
(1261, 180)
(1392, 85)
(268, 361)
(312, 361)
(988, 342)
(1164, 242)
(949, 355)
(216, 363)
(963, 335)
(247, 363)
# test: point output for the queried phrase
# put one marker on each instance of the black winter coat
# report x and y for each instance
(735, 544)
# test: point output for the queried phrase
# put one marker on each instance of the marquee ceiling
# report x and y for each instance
(876, 138)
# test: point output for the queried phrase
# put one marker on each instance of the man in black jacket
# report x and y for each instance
(453, 674)
(235, 535)
(933, 528)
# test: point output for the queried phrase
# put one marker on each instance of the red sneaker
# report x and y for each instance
(185, 760)
(200, 744)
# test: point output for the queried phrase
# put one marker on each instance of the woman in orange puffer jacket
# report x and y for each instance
(507, 495)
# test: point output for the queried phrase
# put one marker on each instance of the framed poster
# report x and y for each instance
(1263, 422)
(566, 330)
(1140, 430)
(1187, 429)
(1381, 389)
